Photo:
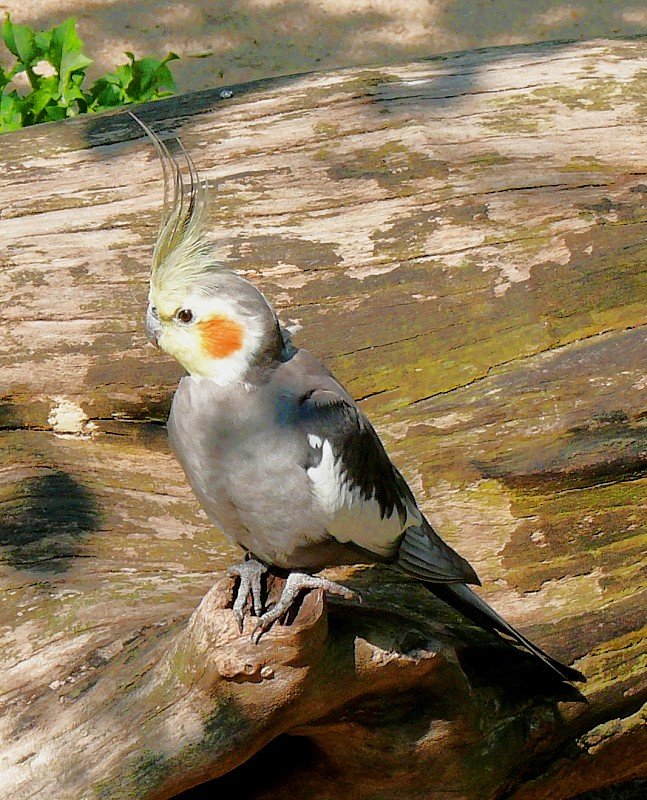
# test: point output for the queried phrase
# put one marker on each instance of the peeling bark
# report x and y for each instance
(463, 241)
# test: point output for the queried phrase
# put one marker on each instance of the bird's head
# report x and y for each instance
(214, 322)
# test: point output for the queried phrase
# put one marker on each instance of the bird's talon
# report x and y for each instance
(259, 630)
(296, 583)
(239, 620)
(249, 574)
(342, 591)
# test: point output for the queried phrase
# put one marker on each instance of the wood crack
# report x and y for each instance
(493, 369)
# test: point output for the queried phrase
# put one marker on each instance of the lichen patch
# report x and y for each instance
(487, 522)
(559, 594)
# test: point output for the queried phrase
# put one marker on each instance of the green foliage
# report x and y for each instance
(55, 68)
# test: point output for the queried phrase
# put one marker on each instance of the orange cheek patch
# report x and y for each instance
(221, 336)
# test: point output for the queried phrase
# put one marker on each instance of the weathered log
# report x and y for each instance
(463, 241)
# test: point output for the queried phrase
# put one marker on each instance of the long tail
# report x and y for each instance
(463, 599)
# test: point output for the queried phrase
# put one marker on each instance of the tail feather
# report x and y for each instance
(463, 599)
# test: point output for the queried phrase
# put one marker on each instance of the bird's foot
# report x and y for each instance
(249, 573)
(295, 583)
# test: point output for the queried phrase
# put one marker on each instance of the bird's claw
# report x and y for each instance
(295, 583)
(249, 573)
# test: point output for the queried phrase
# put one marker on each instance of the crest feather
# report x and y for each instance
(182, 253)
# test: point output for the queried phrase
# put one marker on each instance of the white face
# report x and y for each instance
(207, 335)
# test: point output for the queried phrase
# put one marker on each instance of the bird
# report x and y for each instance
(280, 456)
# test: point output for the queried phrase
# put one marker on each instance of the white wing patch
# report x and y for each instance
(351, 518)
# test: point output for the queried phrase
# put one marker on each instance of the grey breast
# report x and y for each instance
(197, 435)
(243, 460)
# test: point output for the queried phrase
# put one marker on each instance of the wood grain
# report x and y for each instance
(463, 240)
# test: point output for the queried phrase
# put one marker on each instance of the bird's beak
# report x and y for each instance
(153, 326)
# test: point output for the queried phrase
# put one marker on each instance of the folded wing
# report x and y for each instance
(367, 501)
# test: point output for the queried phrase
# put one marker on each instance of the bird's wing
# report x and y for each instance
(367, 500)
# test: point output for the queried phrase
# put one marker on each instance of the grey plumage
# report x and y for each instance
(280, 456)
(246, 452)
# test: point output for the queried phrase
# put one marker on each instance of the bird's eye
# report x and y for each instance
(185, 315)
(154, 311)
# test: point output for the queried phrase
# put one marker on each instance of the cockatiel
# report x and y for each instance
(278, 453)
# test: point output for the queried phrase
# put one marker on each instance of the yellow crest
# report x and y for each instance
(181, 257)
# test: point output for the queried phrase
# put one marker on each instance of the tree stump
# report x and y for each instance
(463, 241)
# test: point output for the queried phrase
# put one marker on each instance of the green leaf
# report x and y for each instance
(62, 95)
(171, 56)
(106, 94)
(110, 90)
(144, 74)
(65, 51)
(43, 41)
(19, 40)
(10, 112)
(73, 62)
(71, 93)
(122, 76)
(55, 113)
(5, 78)
(149, 77)
(46, 93)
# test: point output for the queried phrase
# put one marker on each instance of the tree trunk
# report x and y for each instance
(463, 241)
